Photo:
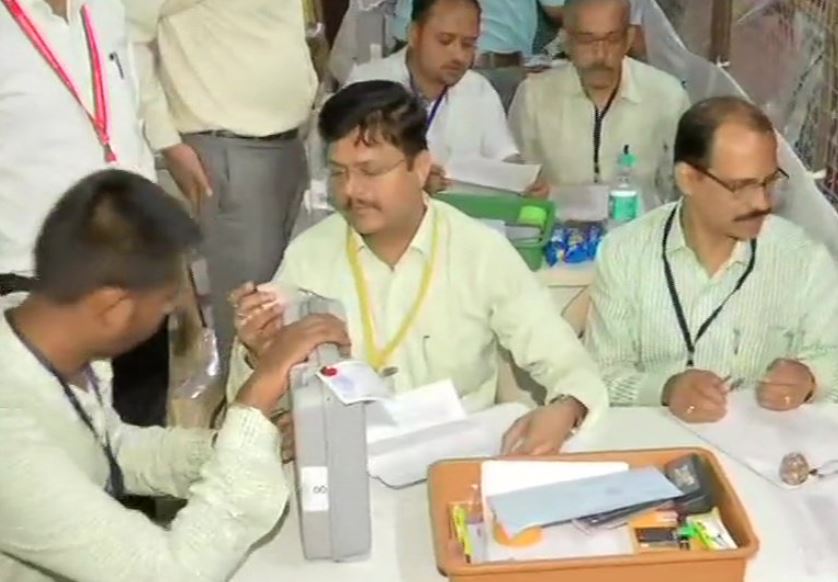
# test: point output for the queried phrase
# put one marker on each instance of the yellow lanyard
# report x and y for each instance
(376, 357)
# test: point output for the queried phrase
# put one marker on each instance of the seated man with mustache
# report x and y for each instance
(466, 118)
(715, 293)
(577, 120)
(430, 294)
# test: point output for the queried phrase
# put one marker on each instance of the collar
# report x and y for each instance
(678, 243)
(629, 89)
(422, 241)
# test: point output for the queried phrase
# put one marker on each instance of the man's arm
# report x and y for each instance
(528, 324)
(611, 332)
(159, 461)
(818, 336)
(143, 21)
(54, 517)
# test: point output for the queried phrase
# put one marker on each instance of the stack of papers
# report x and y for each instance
(414, 430)
(499, 478)
(491, 174)
(771, 435)
(563, 501)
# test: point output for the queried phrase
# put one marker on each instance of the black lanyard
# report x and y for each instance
(599, 119)
(116, 481)
(435, 106)
(676, 302)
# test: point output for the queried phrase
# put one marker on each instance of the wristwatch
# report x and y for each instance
(561, 398)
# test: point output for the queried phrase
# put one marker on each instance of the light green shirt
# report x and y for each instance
(482, 295)
(58, 523)
(787, 308)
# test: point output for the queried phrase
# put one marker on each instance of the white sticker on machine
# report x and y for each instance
(314, 488)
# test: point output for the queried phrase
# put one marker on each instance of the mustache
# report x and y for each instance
(753, 215)
(351, 204)
(598, 68)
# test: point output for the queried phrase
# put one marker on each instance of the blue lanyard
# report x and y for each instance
(435, 107)
(116, 480)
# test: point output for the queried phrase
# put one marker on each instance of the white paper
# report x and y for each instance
(491, 173)
(415, 410)
(563, 541)
(404, 459)
(760, 438)
(355, 381)
(584, 203)
(314, 488)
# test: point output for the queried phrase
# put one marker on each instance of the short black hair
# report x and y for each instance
(379, 110)
(422, 9)
(697, 127)
(112, 229)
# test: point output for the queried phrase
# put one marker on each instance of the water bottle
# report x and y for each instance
(624, 197)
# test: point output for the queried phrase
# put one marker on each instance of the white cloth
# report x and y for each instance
(48, 142)
(469, 123)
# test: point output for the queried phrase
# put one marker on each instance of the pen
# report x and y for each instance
(115, 58)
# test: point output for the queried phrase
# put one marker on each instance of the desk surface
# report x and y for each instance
(402, 549)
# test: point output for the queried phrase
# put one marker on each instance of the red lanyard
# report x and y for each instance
(100, 117)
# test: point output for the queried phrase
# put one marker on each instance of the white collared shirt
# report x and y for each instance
(48, 142)
(553, 121)
(470, 122)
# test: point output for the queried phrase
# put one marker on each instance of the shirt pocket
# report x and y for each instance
(756, 347)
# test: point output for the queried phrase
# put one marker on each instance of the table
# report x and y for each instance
(402, 548)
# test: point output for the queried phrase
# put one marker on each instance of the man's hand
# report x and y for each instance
(787, 385)
(437, 182)
(291, 346)
(696, 396)
(544, 430)
(538, 189)
(285, 424)
(258, 319)
(188, 172)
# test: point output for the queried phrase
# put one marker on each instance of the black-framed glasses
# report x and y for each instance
(771, 185)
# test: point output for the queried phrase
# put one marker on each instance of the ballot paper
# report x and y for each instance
(504, 176)
(561, 541)
(427, 428)
(770, 435)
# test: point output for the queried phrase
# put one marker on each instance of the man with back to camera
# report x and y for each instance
(108, 261)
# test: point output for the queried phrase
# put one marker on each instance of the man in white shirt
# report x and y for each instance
(225, 87)
(430, 294)
(465, 115)
(68, 107)
(714, 293)
(577, 120)
(108, 262)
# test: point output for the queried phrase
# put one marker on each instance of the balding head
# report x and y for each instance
(574, 8)
(599, 37)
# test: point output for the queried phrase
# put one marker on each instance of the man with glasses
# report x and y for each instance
(714, 292)
(430, 294)
(578, 119)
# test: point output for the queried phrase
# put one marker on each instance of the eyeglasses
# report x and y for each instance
(339, 177)
(587, 40)
(741, 189)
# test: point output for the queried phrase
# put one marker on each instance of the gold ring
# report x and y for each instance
(690, 409)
